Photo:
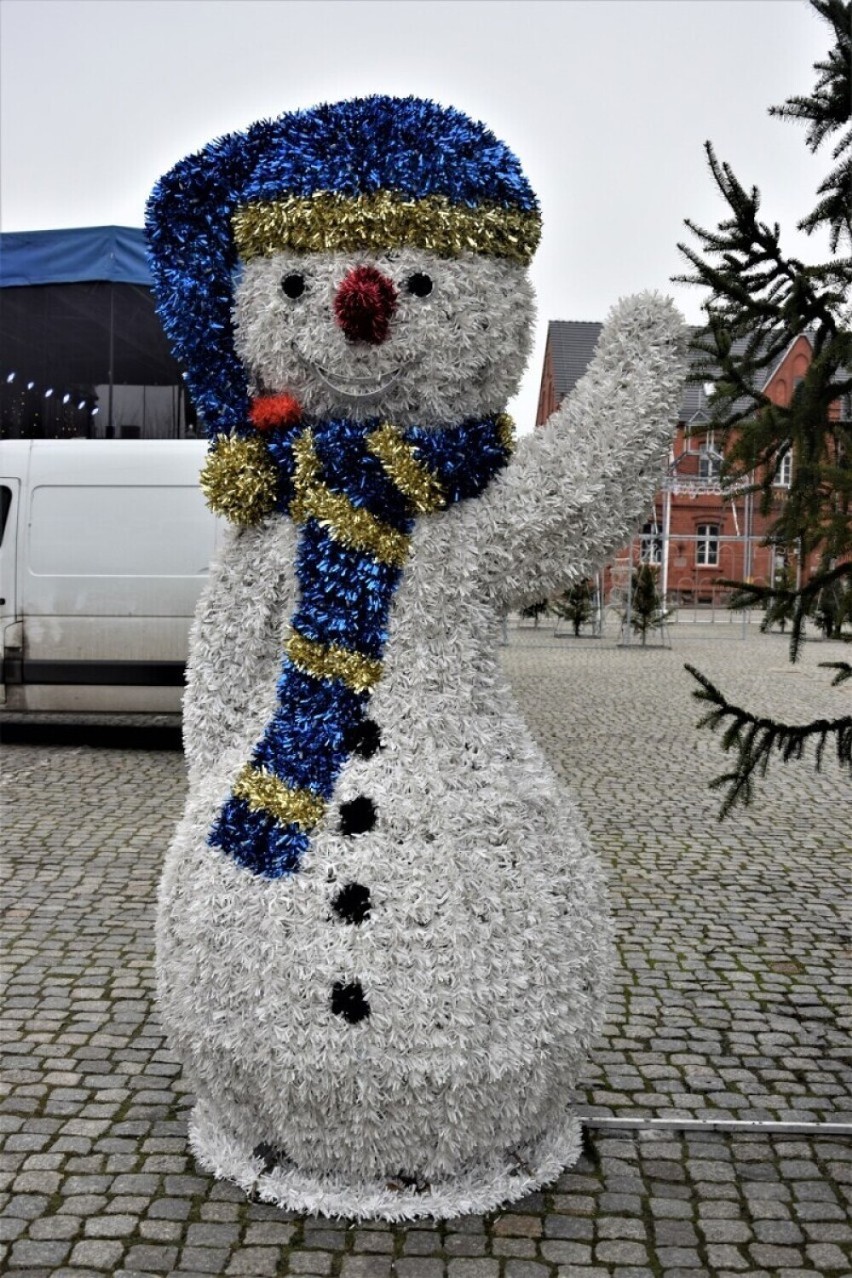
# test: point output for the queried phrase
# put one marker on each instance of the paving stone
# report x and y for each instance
(31, 1255)
(110, 1226)
(518, 1226)
(310, 1262)
(567, 1253)
(220, 1213)
(328, 1239)
(25, 1206)
(828, 1231)
(622, 1253)
(421, 1242)
(170, 1208)
(145, 1256)
(775, 1257)
(675, 1233)
(206, 1260)
(458, 1224)
(208, 1235)
(578, 1227)
(777, 1231)
(472, 1269)
(465, 1245)
(679, 1258)
(726, 1231)
(269, 1233)
(525, 1269)
(573, 1204)
(417, 1267)
(670, 1208)
(78, 1273)
(523, 1248)
(100, 1253)
(727, 1258)
(259, 1262)
(11, 1227)
(161, 1230)
(620, 1227)
(373, 1240)
(827, 1256)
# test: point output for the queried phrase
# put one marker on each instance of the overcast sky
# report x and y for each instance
(607, 103)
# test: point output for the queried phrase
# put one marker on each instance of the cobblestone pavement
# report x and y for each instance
(733, 1000)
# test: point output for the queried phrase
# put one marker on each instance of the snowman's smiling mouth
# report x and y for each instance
(350, 384)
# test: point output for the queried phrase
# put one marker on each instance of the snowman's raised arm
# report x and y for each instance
(576, 489)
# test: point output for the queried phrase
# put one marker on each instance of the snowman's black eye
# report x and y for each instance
(419, 284)
(293, 285)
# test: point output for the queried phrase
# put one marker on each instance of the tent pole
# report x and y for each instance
(110, 415)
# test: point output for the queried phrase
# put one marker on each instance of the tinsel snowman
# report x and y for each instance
(382, 940)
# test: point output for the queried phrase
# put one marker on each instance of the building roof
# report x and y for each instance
(572, 343)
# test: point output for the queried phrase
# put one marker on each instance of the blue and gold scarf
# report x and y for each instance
(355, 490)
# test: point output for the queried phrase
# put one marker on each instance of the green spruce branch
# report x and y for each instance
(757, 738)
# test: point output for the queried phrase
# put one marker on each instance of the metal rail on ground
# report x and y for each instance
(770, 1127)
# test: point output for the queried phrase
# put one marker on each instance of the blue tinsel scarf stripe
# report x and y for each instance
(257, 842)
(345, 601)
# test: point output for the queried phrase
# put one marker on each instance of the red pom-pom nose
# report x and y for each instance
(268, 411)
(364, 304)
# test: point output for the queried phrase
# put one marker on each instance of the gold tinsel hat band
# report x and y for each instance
(328, 222)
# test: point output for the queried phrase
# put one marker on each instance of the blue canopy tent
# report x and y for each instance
(76, 314)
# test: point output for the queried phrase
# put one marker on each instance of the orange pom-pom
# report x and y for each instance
(268, 411)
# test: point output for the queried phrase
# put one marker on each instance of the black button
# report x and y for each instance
(352, 903)
(363, 739)
(348, 1001)
(270, 1155)
(357, 816)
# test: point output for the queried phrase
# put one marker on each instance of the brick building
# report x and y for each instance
(696, 533)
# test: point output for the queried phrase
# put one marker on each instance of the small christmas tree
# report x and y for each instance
(834, 609)
(777, 605)
(647, 611)
(535, 610)
(575, 604)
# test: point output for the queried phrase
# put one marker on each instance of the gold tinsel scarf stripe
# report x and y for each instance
(352, 527)
(328, 661)
(328, 222)
(410, 476)
(264, 792)
(506, 432)
(240, 479)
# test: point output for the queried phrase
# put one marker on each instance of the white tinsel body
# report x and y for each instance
(486, 953)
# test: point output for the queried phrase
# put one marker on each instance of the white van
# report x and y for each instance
(104, 548)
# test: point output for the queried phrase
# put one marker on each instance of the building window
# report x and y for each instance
(784, 473)
(709, 460)
(650, 544)
(707, 546)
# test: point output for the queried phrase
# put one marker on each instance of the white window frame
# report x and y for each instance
(707, 545)
(784, 473)
(709, 458)
(651, 545)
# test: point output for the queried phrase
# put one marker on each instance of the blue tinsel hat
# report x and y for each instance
(370, 173)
